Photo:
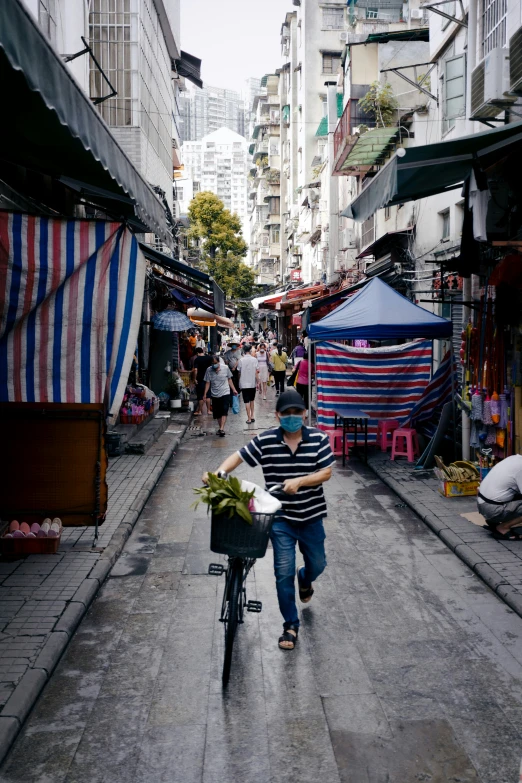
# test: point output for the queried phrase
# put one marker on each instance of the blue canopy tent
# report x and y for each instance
(377, 312)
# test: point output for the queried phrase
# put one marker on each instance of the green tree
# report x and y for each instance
(222, 247)
(217, 230)
(380, 103)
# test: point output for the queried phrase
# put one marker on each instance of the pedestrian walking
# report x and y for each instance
(303, 378)
(279, 360)
(248, 369)
(202, 361)
(298, 353)
(232, 357)
(218, 379)
(264, 370)
(301, 459)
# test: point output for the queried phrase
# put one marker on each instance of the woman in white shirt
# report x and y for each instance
(264, 373)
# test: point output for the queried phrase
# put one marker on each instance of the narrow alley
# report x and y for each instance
(408, 668)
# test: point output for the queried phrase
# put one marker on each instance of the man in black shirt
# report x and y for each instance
(202, 362)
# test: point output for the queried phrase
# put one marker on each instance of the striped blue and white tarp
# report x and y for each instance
(385, 383)
(70, 304)
(436, 394)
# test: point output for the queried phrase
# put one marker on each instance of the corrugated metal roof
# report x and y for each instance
(370, 148)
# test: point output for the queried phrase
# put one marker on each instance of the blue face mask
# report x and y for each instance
(291, 423)
(215, 367)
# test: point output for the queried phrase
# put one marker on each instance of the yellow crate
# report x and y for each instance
(458, 489)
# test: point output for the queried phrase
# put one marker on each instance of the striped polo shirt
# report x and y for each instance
(313, 453)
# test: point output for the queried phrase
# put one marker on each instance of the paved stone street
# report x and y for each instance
(498, 563)
(42, 597)
(408, 667)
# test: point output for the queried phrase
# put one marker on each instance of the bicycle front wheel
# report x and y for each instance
(232, 615)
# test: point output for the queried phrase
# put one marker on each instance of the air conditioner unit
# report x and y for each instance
(515, 62)
(490, 85)
(416, 13)
(343, 37)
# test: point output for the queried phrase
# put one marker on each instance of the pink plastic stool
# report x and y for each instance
(336, 442)
(411, 443)
(385, 427)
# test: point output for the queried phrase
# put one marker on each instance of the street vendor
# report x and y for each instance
(500, 498)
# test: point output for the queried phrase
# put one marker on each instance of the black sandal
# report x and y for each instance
(289, 637)
(509, 536)
(305, 593)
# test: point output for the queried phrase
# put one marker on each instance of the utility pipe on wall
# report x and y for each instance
(471, 61)
(333, 186)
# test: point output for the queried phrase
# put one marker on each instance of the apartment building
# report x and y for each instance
(251, 89)
(129, 70)
(209, 109)
(264, 182)
(218, 163)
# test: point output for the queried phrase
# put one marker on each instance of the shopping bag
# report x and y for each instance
(292, 379)
(235, 404)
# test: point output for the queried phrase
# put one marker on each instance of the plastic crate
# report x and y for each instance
(234, 537)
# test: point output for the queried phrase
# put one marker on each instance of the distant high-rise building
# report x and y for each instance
(218, 163)
(207, 110)
(251, 89)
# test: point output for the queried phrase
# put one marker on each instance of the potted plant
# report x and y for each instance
(173, 389)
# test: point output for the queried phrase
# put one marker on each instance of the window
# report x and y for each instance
(275, 205)
(372, 13)
(179, 193)
(47, 18)
(453, 90)
(368, 231)
(333, 19)
(445, 221)
(448, 8)
(331, 62)
(387, 213)
(494, 15)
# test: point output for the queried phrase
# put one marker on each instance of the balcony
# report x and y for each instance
(344, 138)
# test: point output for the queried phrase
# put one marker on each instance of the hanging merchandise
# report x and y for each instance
(474, 439)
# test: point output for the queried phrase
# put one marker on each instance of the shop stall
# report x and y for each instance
(383, 382)
(73, 293)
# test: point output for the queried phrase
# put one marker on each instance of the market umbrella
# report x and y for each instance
(172, 321)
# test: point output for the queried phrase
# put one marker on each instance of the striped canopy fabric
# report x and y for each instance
(385, 383)
(71, 294)
(436, 394)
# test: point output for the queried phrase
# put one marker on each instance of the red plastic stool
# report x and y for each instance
(411, 443)
(385, 427)
(336, 442)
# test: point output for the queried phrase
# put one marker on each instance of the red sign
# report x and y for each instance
(297, 320)
(295, 276)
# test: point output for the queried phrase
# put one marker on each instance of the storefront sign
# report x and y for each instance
(295, 276)
(297, 320)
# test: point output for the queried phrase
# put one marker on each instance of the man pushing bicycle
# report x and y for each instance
(299, 458)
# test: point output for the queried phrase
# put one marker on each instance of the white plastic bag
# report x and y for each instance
(264, 502)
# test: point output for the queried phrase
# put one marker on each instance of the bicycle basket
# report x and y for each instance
(234, 537)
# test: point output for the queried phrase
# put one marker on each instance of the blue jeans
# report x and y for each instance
(284, 537)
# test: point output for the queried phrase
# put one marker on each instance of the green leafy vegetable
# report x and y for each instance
(224, 495)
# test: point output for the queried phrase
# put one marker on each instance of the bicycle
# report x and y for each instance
(244, 544)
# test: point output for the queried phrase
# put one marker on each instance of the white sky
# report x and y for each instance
(234, 38)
